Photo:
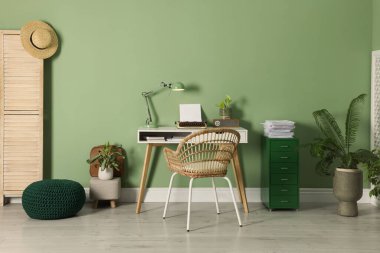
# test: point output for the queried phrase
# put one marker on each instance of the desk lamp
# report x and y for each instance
(177, 86)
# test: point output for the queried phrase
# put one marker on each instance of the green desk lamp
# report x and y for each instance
(177, 86)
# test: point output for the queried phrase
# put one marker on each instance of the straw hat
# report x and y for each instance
(39, 39)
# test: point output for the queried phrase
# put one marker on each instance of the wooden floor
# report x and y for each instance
(314, 228)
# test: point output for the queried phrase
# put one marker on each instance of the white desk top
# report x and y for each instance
(174, 134)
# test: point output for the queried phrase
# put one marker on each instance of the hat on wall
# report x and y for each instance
(39, 39)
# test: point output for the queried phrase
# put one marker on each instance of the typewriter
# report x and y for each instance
(190, 116)
(190, 124)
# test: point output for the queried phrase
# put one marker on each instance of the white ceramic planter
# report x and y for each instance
(106, 174)
(375, 201)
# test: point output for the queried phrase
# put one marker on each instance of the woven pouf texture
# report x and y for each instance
(53, 199)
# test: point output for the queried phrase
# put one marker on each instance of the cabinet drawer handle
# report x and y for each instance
(284, 157)
(284, 168)
(284, 201)
(284, 179)
(284, 190)
(284, 146)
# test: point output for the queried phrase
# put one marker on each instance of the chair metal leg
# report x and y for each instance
(216, 196)
(168, 196)
(233, 199)
(189, 205)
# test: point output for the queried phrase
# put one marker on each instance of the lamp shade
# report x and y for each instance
(177, 86)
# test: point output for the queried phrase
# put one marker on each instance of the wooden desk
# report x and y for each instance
(174, 135)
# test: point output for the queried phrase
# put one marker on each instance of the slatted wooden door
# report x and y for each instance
(21, 116)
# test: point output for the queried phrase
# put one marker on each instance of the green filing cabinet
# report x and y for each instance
(279, 173)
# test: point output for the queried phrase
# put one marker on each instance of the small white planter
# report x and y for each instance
(375, 201)
(105, 174)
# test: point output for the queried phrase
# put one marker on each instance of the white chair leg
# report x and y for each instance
(216, 196)
(189, 205)
(168, 196)
(233, 199)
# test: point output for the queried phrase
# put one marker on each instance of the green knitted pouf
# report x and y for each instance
(53, 199)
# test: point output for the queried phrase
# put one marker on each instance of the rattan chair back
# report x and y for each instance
(205, 153)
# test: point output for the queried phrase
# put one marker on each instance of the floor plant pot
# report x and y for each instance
(348, 189)
(105, 174)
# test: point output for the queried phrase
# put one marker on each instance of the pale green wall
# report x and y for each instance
(277, 59)
(376, 25)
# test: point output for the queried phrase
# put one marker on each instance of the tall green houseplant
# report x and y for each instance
(336, 146)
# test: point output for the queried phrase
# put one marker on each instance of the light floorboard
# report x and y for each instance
(314, 228)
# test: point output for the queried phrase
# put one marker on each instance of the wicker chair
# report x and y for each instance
(203, 154)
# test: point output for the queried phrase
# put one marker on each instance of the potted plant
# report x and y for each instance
(336, 147)
(107, 158)
(370, 160)
(225, 107)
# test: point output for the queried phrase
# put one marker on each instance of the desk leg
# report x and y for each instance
(148, 153)
(239, 180)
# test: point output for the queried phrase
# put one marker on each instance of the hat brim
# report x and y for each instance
(26, 33)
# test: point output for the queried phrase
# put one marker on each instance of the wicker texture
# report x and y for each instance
(204, 153)
(53, 199)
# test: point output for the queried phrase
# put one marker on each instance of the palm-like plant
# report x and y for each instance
(107, 157)
(334, 146)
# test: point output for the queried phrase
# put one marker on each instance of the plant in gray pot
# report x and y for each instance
(335, 147)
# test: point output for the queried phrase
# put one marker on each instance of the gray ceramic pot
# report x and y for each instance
(348, 189)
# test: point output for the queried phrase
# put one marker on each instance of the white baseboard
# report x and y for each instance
(157, 194)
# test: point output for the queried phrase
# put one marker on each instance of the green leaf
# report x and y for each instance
(330, 129)
(327, 152)
(91, 160)
(103, 164)
(364, 156)
(352, 120)
(323, 167)
(227, 101)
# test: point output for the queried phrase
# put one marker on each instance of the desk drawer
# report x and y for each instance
(282, 190)
(283, 157)
(284, 201)
(283, 168)
(283, 145)
(281, 179)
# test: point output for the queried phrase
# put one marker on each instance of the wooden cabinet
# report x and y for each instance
(21, 116)
(279, 173)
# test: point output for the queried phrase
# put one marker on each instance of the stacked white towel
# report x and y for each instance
(279, 128)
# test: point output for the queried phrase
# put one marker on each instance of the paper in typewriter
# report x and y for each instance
(190, 113)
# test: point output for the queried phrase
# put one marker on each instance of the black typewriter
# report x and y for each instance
(190, 124)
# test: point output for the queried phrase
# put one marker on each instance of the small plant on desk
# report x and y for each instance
(225, 107)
